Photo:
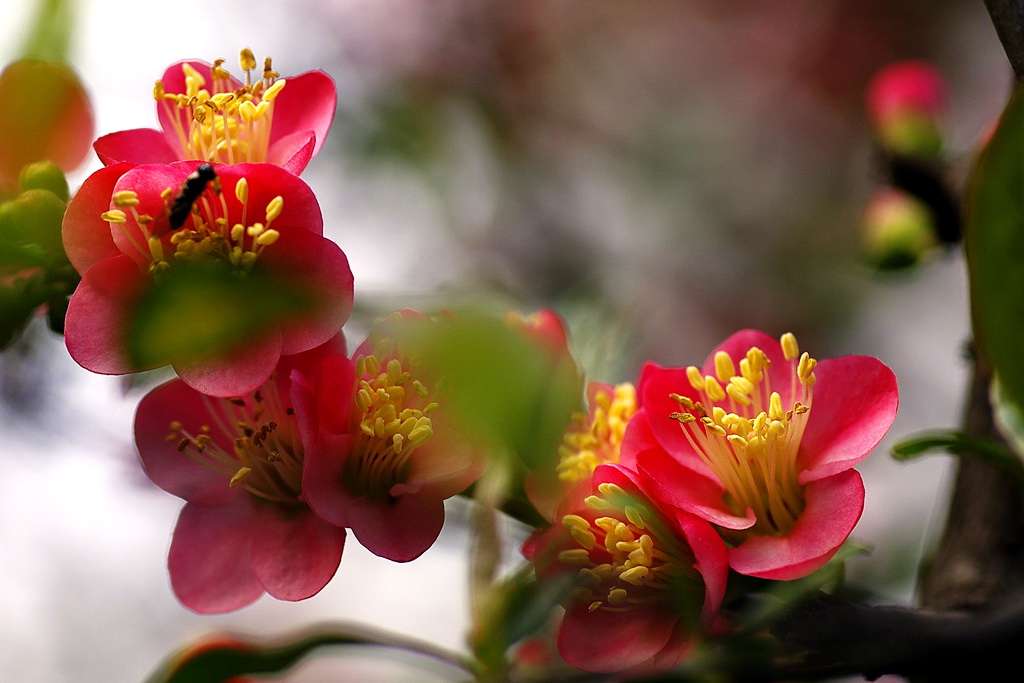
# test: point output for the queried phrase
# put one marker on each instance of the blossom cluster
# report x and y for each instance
(743, 464)
(200, 247)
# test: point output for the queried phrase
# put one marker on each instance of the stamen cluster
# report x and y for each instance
(222, 123)
(596, 439)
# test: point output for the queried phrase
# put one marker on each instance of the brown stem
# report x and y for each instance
(1008, 18)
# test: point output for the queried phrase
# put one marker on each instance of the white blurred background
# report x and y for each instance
(661, 173)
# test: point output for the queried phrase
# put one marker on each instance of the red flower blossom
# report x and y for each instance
(382, 459)
(245, 528)
(649, 577)
(255, 226)
(766, 452)
(209, 115)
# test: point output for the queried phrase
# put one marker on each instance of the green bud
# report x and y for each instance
(45, 175)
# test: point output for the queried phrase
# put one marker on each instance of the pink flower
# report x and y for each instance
(245, 528)
(649, 577)
(765, 452)
(208, 115)
(906, 102)
(382, 459)
(255, 233)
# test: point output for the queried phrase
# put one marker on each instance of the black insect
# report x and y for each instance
(190, 191)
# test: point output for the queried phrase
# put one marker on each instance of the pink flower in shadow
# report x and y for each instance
(255, 232)
(381, 459)
(648, 577)
(246, 528)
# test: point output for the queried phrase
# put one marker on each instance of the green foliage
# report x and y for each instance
(50, 36)
(202, 310)
(994, 242)
(964, 445)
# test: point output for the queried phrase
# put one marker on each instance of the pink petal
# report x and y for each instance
(444, 466)
(322, 473)
(138, 146)
(855, 402)
(236, 372)
(87, 237)
(603, 642)
(317, 267)
(685, 488)
(148, 181)
(266, 181)
(712, 561)
(293, 152)
(174, 82)
(96, 322)
(834, 506)
(295, 553)
(656, 385)
(399, 530)
(306, 103)
(209, 560)
(169, 468)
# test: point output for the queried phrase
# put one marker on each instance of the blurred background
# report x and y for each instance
(661, 173)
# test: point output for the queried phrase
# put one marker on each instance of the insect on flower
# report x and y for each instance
(193, 187)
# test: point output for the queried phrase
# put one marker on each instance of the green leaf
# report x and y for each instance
(994, 241)
(961, 444)
(224, 657)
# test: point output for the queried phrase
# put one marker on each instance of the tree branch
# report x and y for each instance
(1008, 18)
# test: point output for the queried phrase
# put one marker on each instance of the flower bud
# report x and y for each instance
(906, 103)
(898, 230)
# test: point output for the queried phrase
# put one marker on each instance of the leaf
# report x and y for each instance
(964, 445)
(994, 242)
(224, 657)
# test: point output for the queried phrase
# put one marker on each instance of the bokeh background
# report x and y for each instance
(660, 172)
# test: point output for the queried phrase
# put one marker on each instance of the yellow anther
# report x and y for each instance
(254, 229)
(114, 216)
(684, 401)
(596, 503)
(737, 440)
(775, 410)
(575, 521)
(610, 490)
(800, 408)
(158, 91)
(274, 90)
(239, 476)
(156, 248)
(777, 429)
(635, 575)
(247, 110)
(274, 207)
(737, 394)
(617, 596)
(237, 231)
(683, 418)
(191, 74)
(696, 379)
(790, 349)
(635, 514)
(268, 237)
(268, 70)
(221, 100)
(719, 415)
(218, 72)
(242, 190)
(724, 367)
(574, 556)
(805, 369)
(247, 60)
(713, 389)
(585, 537)
(125, 198)
(594, 606)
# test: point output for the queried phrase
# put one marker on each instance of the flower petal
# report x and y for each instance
(293, 152)
(96, 322)
(855, 402)
(737, 346)
(603, 641)
(236, 372)
(295, 554)
(168, 467)
(399, 530)
(306, 103)
(139, 146)
(87, 237)
(209, 561)
(833, 507)
(322, 478)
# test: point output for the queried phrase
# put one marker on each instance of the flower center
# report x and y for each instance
(209, 234)
(217, 123)
(393, 421)
(596, 439)
(265, 454)
(625, 557)
(745, 434)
